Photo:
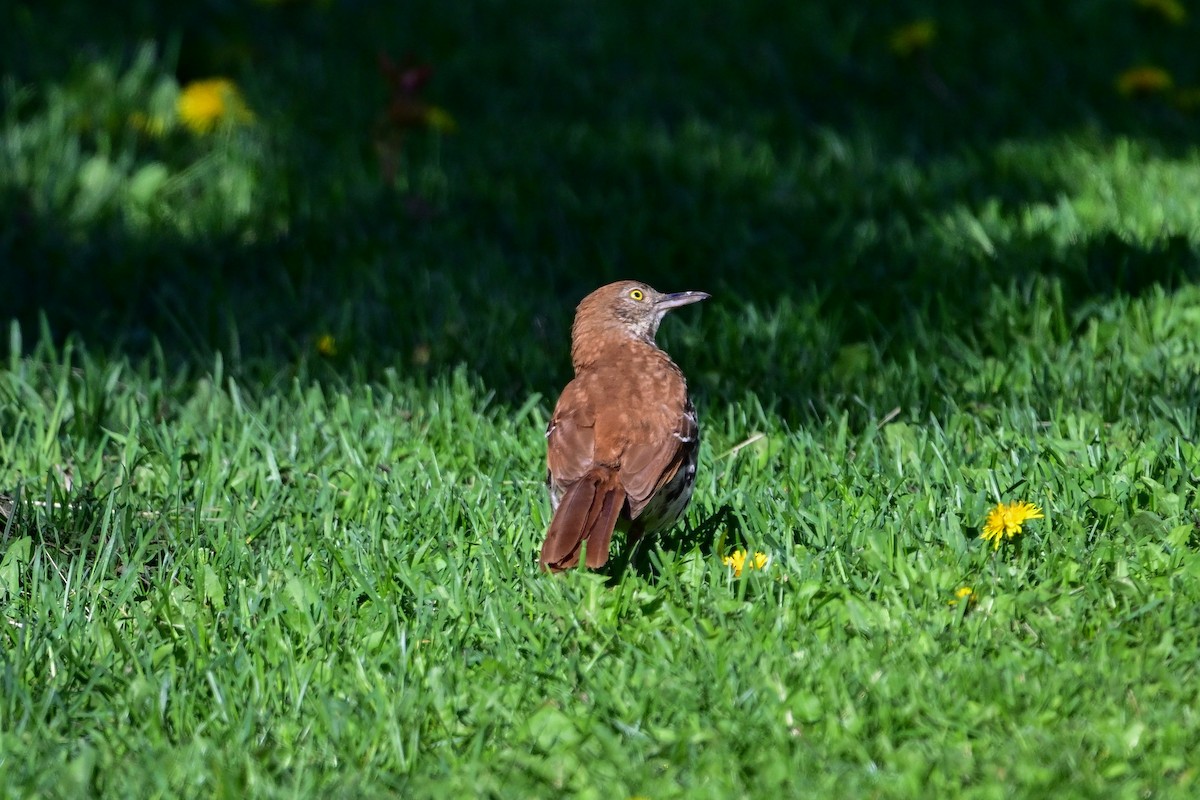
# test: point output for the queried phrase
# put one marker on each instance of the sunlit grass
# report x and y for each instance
(274, 395)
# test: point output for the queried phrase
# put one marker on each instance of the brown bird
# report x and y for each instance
(622, 443)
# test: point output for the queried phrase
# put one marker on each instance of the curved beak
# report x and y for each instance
(668, 301)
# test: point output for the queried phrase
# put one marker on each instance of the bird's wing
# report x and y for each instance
(651, 461)
(571, 437)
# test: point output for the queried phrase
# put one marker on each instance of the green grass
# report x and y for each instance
(232, 565)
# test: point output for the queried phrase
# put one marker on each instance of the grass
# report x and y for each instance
(271, 446)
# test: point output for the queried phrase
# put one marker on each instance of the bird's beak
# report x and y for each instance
(669, 301)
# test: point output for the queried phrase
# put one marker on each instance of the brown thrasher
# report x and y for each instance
(622, 443)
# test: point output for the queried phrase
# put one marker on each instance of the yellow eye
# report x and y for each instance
(637, 294)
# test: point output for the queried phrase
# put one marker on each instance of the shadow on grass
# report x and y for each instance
(265, 304)
(791, 166)
(724, 525)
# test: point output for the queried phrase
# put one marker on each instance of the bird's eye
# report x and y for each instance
(637, 294)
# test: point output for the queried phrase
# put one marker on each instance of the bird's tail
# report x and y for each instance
(587, 512)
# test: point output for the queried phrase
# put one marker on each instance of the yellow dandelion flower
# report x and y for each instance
(964, 595)
(1005, 521)
(440, 120)
(1143, 81)
(913, 37)
(740, 559)
(204, 104)
(1171, 11)
(327, 345)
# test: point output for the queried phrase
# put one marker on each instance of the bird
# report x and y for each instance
(622, 443)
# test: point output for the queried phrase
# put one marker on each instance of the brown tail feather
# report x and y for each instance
(588, 512)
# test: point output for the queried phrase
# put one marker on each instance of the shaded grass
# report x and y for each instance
(796, 160)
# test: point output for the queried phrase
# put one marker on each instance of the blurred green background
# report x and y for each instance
(855, 188)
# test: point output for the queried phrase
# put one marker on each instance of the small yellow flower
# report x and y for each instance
(203, 104)
(440, 120)
(1171, 11)
(964, 595)
(327, 345)
(739, 561)
(1143, 80)
(913, 37)
(1005, 521)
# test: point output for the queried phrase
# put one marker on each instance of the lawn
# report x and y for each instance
(285, 301)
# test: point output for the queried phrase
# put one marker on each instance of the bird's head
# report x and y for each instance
(629, 309)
